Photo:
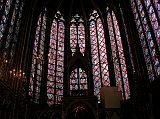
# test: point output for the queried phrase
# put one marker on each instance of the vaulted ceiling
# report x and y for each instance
(71, 7)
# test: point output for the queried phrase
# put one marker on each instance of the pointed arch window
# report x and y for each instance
(146, 16)
(99, 54)
(77, 34)
(55, 61)
(118, 55)
(10, 19)
(78, 82)
(37, 58)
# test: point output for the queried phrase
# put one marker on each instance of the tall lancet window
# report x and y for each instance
(99, 54)
(37, 58)
(10, 18)
(77, 34)
(118, 55)
(78, 82)
(55, 61)
(146, 13)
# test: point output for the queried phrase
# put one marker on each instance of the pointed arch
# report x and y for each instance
(37, 58)
(55, 61)
(78, 82)
(120, 70)
(77, 34)
(99, 54)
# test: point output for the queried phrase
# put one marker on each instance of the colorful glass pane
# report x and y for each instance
(95, 59)
(78, 81)
(152, 62)
(4, 19)
(143, 42)
(153, 19)
(55, 61)
(10, 27)
(81, 38)
(77, 34)
(73, 38)
(157, 6)
(99, 54)
(121, 56)
(103, 53)
(37, 59)
(118, 55)
(13, 30)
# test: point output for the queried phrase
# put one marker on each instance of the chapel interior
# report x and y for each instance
(79, 59)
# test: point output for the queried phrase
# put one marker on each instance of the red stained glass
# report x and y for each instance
(81, 37)
(78, 80)
(73, 37)
(77, 34)
(99, 54)
(103, 54)
(117, 54)
(55, 61)
(152, 62)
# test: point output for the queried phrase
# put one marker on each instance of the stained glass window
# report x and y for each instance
(147, 41)
(99, 54)
(78, 82)
(118, 55)
(77, 34)
(10, 18)
(55, 61)
(4, 17)
(153, 18)
(37, 58)
(157, 6)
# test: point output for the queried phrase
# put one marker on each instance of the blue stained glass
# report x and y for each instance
(152, 62)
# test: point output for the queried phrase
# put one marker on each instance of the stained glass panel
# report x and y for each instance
(147, 43)
(55, 61)
(81, 38)
(37, 59)
(77, 34)
(99, 54)
(95, 59)
(157, 6)
(118, 55)
(103, 53)
(121, 57)
(9, 28)
(78, 81)
(143, 42)
(153, 19)
(73, 37)
(4, 19)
